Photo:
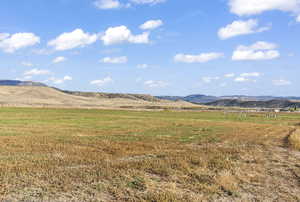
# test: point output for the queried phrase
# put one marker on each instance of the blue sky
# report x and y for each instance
(159, 47)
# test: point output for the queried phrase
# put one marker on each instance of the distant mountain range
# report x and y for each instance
(205, 99)
(225, 101)
(256, 104)
(20, 83)
(199, 99)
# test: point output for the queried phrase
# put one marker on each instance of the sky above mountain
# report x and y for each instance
(159, 47)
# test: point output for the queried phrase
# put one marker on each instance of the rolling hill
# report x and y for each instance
(25, 94)
(28, 93)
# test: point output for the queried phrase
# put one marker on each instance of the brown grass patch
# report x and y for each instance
(294, 140)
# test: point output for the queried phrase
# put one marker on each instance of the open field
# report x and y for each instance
(111, 155)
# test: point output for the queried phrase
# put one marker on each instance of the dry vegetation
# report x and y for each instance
(109, 155)
(294, 140)
(36, 96)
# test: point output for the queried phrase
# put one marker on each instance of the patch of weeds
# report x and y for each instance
(294, 140)
(137, 183)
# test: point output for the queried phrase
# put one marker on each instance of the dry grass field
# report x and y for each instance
(36, 96)
(111, 155)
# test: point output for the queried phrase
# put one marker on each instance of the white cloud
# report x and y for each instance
(255, 7)
(281, 82)
(251, 74)
(11, 43)
(107, 4)
(60, 81)
(147, 1)
(201, 58)
(241, 28)
(207, 79)
(115, 60)
(298, 18)
(155, 84)
(230, 75)
(121, 34)
(243, 79)
(68, 78)
(55, 80)
(4, 36)
(258, 51)
(59, 59)
(75, 39)
(102, 82)
(35, 72)
(116, 4)
(151, 24)
(42, 51)
(24, 78)
(27, 64)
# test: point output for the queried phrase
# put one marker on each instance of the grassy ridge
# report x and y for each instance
(107, 155)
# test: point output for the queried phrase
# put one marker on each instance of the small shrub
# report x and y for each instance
(294, 140)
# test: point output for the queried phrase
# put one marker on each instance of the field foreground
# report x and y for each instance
(110, 155)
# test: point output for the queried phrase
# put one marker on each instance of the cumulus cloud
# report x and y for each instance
(75, 39)
(107, 4)
(281, 82)
(102, 82)
(36, 72)
(147, 1)
(68, 78)
(59, 59)
(115, 60)
(298, 18)
(259, 51)
(201, 58)
(240, 27)
(121, 34)
(60, 81)
(11, 43)
(151, 24)
(254, 7)
(155, 84)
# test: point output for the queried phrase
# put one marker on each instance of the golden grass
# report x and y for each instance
(106, 155)
(294, 140)
(36, 96)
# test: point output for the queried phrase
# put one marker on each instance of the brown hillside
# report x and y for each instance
(38, 96)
